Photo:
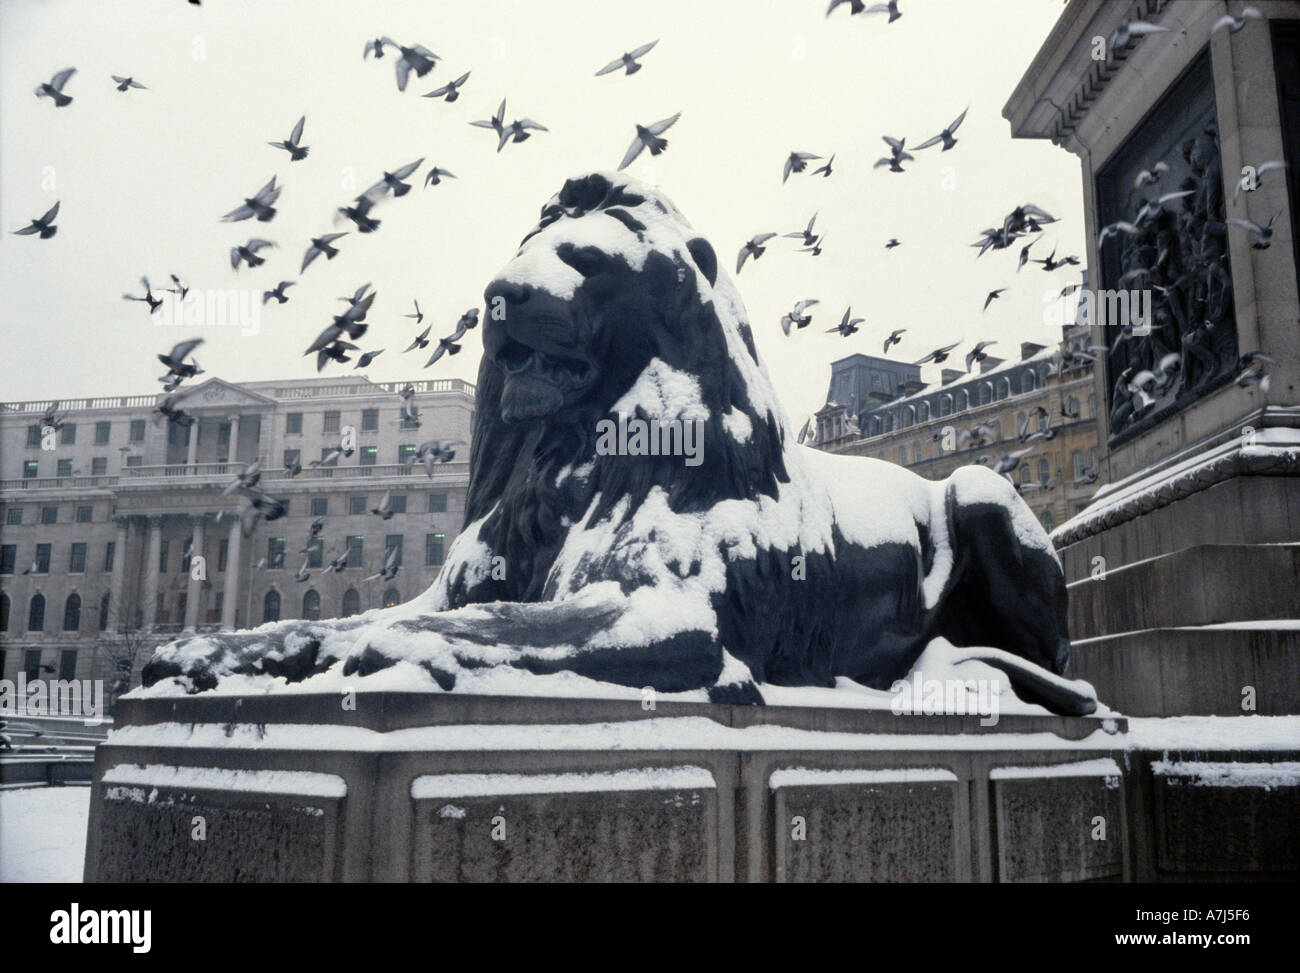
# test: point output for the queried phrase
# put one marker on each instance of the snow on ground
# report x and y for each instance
(43, 833)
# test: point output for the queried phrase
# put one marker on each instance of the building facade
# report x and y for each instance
(977, 417)
(98, 521)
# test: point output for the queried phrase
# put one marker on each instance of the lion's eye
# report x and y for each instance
(586, 262)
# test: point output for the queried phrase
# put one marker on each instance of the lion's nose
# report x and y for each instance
(513, 294)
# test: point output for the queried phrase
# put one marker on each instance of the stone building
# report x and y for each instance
(976, 418)
(97, 522)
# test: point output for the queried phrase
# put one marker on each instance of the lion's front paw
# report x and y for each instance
(291, 650)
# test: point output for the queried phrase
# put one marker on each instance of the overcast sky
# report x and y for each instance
(145, 176)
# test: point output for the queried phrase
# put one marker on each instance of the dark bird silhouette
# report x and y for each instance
(279, 292)
(753, 248)
(1263, 234)
(893, 242)
(433, 452)
(890, 8)
(806, 234)
(796, 162)
(1050, 263)
(336, 351)
(292, 144)
(321, 245)
(825, 171)
(359, 213)
(946, 135)
(248, 253)
(846, 327)
(175, 359)
(410, 414)
(375, 47)
(245, 481)
(417, 58)
(648, 137)
(895, 338)
(520, 130)
(977, 354)
(939, 354)
(855, 6)
(450, 344)
(436, 175)
(385, 509)
(797, 318)
(418, 315)
(124, 84)
(167, 409)
(154, 302)
(451, 90)
(54, 88)
(180, 290)
(628, 60)
(367, 358)
(44, 226)
(392, 181)
(259, 205)
(388, 572)
(897, 156)
(993, 296)
(496, 123)
(421, 339)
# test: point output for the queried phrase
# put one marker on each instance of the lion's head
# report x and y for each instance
(612, 306)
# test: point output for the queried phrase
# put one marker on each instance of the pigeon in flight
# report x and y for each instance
(421, 340)
(753, 248)
(647, 137)
(1114, 229)
(993, 296)
(1245, 181)
(946, 135)
(1024, 255)
(977, 354)
(628, 60)
(259, 506)
(1128, 29)
(393, 181)
(855, 6)
(895, 338)
(279, 292)
(417, 58)
(1256, 365)
(797, 162)
(450, 91)
(1050, 263)
(846, 327)
(320, 245)
(44, 226)
(825, 171)
(180, 290)
(154, 302)
(797, 318)
(807, 235)
(175, 359)
(434, 451)
(1236, 23)
(450, 344)
(303, 574)
(167, 409)
(496, 123)
(896, 156)
(292, 144)
(1263, 234)
(258, 205)
(893, 242)
(339, 561)
(248, 253)
(385, 509)
(389, 571)
(124, 84)
(435, 176)
(418, 315)
(367, 358)
(375, 47)
(335, 351)
(939, 354)
(890, 8)
(519, 130)
(410, 414)
(247, 480)
(815, 248)
(359, 213)
(1148, 177)
(54, 88)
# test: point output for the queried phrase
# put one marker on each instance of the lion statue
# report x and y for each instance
(750, 560)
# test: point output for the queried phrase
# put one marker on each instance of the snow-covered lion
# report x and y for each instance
(729, 559)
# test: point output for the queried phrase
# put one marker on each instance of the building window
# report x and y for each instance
(391, 597)
(32, 664)
(1044, 472)
(1024, 474)
(963, 400)
(398, 503)
(923, 412)
(4, 618)
(437, 503)
(293, 423)
(315, 552)
(351, 602)
(369, 420)
(110, 552)
(68, 434)
(85, 515)
(331, 422)
(433, 545)
(101, 432)
(1004, 388)
(392, 541)
(36, 613)
(14, 516)
(8, 558)
(406, 453)
(1027, 382)
(320, 506)
(63, 468)
(356, 549)
(160, 609)
(369, 455)
(77, 559)
(99, 466)
(356, 505)
(134, 461)
(275, 552)
(103, 612)
(1076, 458)
(72, 613)
(136, 434)
(29, 469)
(68, 664)
(34, 436)
(311, 605)
(1092, 405)
(42, 563)
(271, 607)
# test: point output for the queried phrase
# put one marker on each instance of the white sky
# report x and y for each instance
(145, 176)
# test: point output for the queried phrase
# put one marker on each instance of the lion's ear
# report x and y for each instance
(704, 257)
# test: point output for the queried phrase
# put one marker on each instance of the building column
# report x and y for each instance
(195, 592)
(234, 566)
(232, 452)
(152, 552)
(192, 457)
(117, 585)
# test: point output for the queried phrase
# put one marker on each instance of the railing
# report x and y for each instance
(67, 405)
(58, 482)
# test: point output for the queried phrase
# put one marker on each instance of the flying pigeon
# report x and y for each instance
(123, 84)
(895, 338)
(433, 452)
(1260, 169)
(54, 88)
(809, 238)
(175, 359)
(360, 214)
(367, 358)
(993, 296)
(628, 60)
(647, 137)
(435, 176)
(896, 156)
(519, 129)
(389, 571)
(1236, 23)
(796, 162)
(946, 135)
(258, 205)
(1263, 234)
(855, 6)
(939, 354)
(410, 414)
(1128, 29)
(450, 91)
(1150, 176)
(414, 58)
(393, 181)
(890, 8)
(385, 509)
(893, 242)
(753, 248)
(279, 292)
(797, 318)
(496, 123)
(320, 245)
(154, 302)
(825, 171)
(248, 253)
(846, 327)
(977, 354)
(44, 226)
(292, 144)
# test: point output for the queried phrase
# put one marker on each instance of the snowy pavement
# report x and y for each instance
(43, 833)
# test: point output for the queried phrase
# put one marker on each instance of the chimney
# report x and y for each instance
(1028, 349)
(912, 385)
(951, 375)
(990, 363)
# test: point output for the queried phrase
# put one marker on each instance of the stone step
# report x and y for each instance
(1205, 670)
(1198, 585)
